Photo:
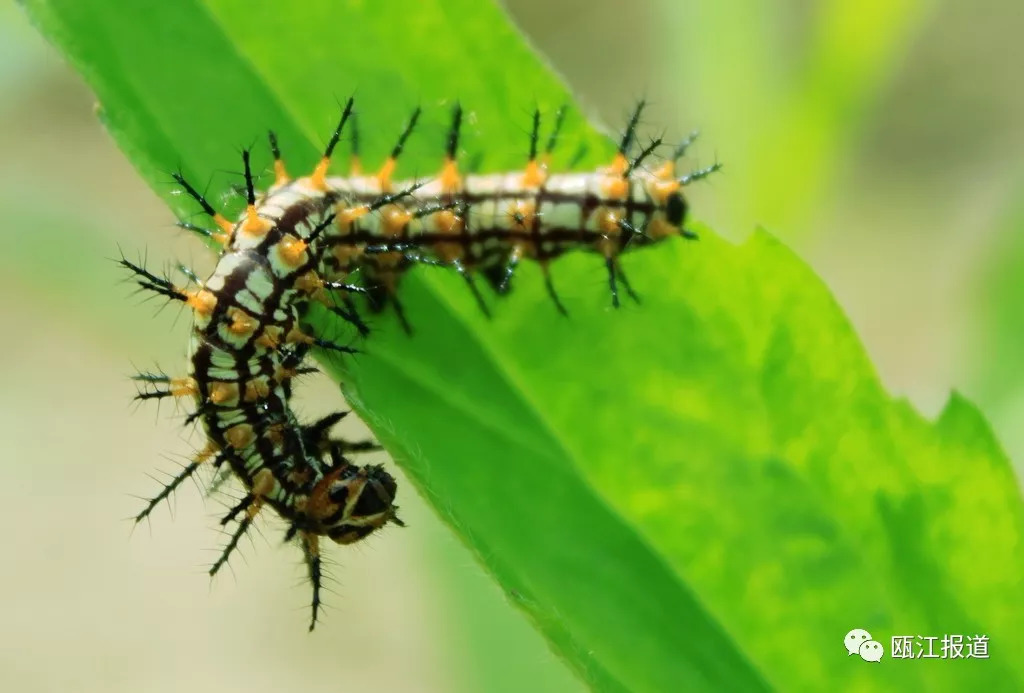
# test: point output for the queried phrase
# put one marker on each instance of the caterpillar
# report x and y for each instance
(326, 239)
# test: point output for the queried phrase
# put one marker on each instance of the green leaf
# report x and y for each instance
(704, 491)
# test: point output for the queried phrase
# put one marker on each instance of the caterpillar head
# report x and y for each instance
(670, 216)
(351, 502)
(675, 209)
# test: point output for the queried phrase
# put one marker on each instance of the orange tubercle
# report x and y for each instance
(660, 228)
(255, 389)
(271, 337)
(241, 322)
(394, 219)
(619, 165)
(318, 179)
(661, 189)
(280, 173)
(201, 301)
(350, 214)
(292, 251)
(609, 221)
(255, 224)
(345, 253)
(207, 452)
(451, 182)
(262, 482)
(447, 221)
(385, 173)
(522, 214)
(534, 176)
(309, 283)
(184, 387)
(667, 171)
(297, 336)
(355, 166)
(275, 433)
(225, 225)
(615, 188)
(240, 436)
(253, 510)
(222, 393)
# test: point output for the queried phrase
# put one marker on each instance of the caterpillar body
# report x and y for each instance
(328, 239)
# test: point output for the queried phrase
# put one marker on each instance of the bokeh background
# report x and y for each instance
(882, 140)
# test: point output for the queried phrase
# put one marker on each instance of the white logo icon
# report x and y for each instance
(858, 642)
(871, 651)
(855, 638)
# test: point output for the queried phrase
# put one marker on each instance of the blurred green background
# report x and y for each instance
(881, 140)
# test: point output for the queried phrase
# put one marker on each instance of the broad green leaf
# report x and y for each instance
(704, 491)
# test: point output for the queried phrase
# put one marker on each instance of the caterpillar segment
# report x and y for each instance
(488, 224)
(247, 343)
(328, 239)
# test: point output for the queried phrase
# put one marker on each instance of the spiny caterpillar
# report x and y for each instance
(326, 239)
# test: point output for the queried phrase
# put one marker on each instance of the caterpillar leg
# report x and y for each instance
(549, 285)
(498, 276)
(311, 552)
(341, 447)
(296, 336)
(625, 283)
(400, 314)
(316, 438)
(473, 289)
(380, 297)
(350, 314)
(347, 311)
(610, 264)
